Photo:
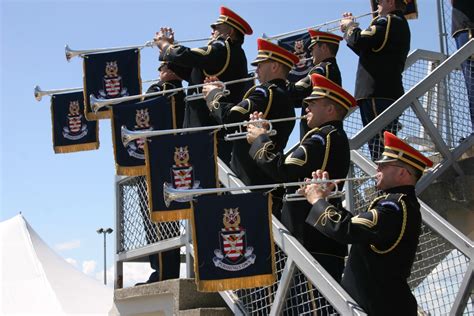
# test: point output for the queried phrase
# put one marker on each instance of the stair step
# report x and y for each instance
(217, 311)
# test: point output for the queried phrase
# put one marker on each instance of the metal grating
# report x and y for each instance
(135, 226)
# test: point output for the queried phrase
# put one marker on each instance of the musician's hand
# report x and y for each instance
(209, 86)
(253, 132)
(163, 37)
(347, 18)
(316, 191)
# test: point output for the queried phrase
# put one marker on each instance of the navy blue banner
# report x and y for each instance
(110, 75)
(181, 162)
(152, 114)
(71, 131)
(298, 45)
(233, 242)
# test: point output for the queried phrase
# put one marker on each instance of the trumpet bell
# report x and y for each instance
(38, 93)
(171, 194)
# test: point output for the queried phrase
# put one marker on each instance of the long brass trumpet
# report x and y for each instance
(128, 135)
(171, 194)
(97, 104)
(318, 26)
(71, 53)
(38, 93)
(41, 93)
(198, 96)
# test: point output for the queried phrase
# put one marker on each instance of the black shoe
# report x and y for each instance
(154, 277)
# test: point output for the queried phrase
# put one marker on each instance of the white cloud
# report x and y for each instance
(88, 267)
(73, 244)
(72, 261)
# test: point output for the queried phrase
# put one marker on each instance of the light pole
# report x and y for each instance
(105, 231)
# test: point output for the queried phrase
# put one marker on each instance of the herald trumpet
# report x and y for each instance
(171, 194)
(71, 53)
(198, 96)
(128, 135)
(316, 27)
(97, 104)
(40, 93)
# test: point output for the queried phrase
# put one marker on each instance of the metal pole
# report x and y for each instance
(105, 258)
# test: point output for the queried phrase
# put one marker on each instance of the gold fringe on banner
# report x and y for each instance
(170, 216)
(130, 171)
(75, 148)
(235, 283)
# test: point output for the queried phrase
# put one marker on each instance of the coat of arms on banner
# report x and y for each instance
(112, 82)
(234, 254)
(304, 65)
(136, 148)
(182, 172)
(75, 128)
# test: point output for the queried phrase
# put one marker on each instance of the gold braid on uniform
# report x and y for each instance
(330, 213)
(402, 230)
(265, 152)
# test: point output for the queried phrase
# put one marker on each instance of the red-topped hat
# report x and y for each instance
(396, 149)
(325, 88)
(233, 19)
(269, 51)
(318, 36)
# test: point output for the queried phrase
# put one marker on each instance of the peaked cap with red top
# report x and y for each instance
(319, 36)
(325, 88)
(233, 19)
(396, 149)
(269, 51)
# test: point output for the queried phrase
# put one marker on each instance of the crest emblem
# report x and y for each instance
(112, 82)
(136, 148)
(234, 254)
(75, 128)
(303, 66)
(182, 172)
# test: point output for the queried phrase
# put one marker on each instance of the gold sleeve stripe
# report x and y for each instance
(370, 32)
(296, 161)
(239, 109)
(227, 61)
(389, 21)
(303, 84)
(365, 221)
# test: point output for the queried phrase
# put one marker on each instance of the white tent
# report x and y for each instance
(37, 281)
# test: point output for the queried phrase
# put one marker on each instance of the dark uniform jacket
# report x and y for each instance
(176, 100)
(384, 241)
(382, 50)
(222, 58)
(463, 16)
(270, 98)
(303, 88)
(326, 148)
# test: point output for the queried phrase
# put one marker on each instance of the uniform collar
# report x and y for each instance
(330, 59)
(278, 82)
(336, 124)
(404, 189)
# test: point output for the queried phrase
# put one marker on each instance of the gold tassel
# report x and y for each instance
(235, 283)
(75, 148)
(169, 216)
(130, 171)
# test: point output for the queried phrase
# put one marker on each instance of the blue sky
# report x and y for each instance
(66, 197)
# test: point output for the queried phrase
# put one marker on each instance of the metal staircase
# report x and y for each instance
(434, 114)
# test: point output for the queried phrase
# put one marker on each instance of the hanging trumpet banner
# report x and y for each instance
(411, 10)
(186, 161)
(233, 242)
(298, 45)
(152, 114)
(108, 76)
(71, 131)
